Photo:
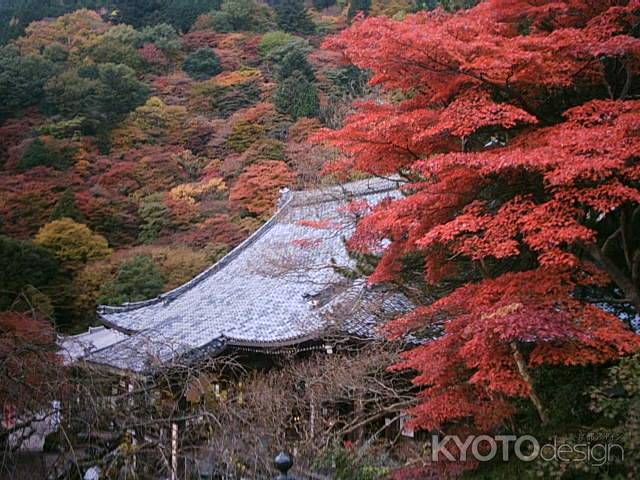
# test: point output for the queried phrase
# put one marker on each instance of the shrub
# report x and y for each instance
(296, 61)
(357, 6)
(202, 64)
(322, 4)
(243, 135)
(66, 207)
(272, 40)
(137, 279)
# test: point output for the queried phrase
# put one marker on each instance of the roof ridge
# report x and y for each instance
(332, 193)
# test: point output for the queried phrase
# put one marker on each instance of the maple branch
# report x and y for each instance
(524, 372)
(625, 283)
(627, 83)
(447, 69)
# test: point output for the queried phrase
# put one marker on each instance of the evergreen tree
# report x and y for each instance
(202, 64)
(296, 61)
(22, 80)
(292, 16)
(297, 96)
(66, 207)
(137, 279)
(155, 215)
(24, 264)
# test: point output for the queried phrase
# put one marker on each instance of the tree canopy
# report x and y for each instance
(73, 243)
(513, 125)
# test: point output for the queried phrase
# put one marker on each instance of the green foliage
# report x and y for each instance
(155, 216)
(137, 279)
(277, 54)
(24, 264)
(102, 94)
(297, 96)
(242, 15)
(448, 5)
(273, 40)
(292, 16)
(215, 251)
(163, 36)
(56, 53)
(618, 399)
(296, 61)
(349, 80)
(40, 154)
(119, 91)
(224, 101)
(181, 14)
(22, 80)
(202, 64)
(72, 95)
(357, 6)
(322, 4)
(66, 207)
(15, 15)
(349, 466)
(64, 128)
(243, 135)
(73, 243)
(111, 50)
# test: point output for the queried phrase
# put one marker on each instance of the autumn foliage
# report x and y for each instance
(514, 127)
(257, 189)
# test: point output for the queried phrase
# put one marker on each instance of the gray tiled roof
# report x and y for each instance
(280, 287)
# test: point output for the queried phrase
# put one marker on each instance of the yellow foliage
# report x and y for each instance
(150, 123)
(82, 162)
(391, 8)
(72, 242)
(73, 31)
(190, 192)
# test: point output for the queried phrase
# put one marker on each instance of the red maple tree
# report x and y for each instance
(513, 124)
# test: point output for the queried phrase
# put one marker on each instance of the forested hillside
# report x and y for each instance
(140, 141)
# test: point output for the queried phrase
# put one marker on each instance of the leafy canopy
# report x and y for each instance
(202, 64)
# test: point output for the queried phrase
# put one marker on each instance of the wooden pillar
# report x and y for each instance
(174, 451)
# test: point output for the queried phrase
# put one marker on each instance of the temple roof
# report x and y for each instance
(284, 285)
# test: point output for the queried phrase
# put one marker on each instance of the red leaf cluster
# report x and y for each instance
(512, 125)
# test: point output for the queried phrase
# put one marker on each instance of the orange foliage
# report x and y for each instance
(257, 189)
